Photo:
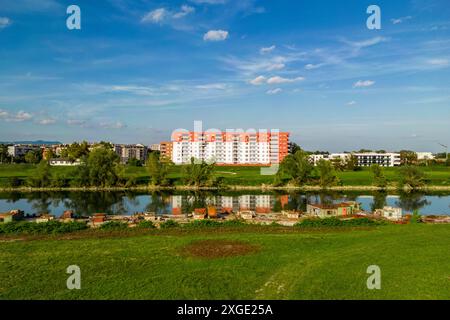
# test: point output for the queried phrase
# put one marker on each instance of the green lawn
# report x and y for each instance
(295, 264)
(437, 176)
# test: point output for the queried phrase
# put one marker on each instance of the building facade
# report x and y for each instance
(19, 150)
(363, 159)
(130, 151)
(165, 149)
(230, 148)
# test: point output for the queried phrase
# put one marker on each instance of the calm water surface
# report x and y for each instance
(87, 203)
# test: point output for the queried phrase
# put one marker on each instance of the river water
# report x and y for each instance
(127, 203)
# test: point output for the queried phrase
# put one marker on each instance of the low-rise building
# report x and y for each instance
(166, 149)
(44, 218)
(64, 162)
(365, 159)
(332, 210)
(13, 215)
(19, 150)
(391, 213)
(425, 156)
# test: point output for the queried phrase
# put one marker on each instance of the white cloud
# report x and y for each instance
(311, 66)
(15, 117)
(274, 91)
(367, 43)
(114, 125)
(276, 66)
(74, 122)
(278, 80)
(438, 62)
(185, 10)
(155, 16)
(48, 121)
(213, 86)
(4, 22)
(215, 35)
(258, 80)
(267, 49)
(351, 103)
(400, 20)
(365, 83)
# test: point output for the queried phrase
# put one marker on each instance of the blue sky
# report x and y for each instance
(139, 69)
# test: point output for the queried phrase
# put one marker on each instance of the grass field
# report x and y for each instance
(280, 264)
(250, 176)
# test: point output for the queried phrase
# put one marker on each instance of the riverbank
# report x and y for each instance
(229, 188)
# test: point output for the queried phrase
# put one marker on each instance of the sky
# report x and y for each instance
(137, 70)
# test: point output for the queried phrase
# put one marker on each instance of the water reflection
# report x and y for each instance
(87, 203)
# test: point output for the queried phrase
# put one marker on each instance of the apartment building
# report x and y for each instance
(165, 149)
(230, 148)
(19, 150)
(130, 151)
(363, 159)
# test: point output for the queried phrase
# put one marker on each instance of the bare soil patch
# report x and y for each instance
(219, 248)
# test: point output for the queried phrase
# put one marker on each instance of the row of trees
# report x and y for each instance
(296, 169)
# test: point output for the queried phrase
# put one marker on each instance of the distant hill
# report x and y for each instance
(39, 142)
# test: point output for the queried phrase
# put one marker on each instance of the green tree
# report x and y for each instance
(133, 162)
(411, 177)
(103, 166)
(296, 167)
(199, 174)
(352, 163)
(158, 170)
(408, 157)
(42, 176)
(327, 174)
(32, 157)
(4, 156)
(379, 179)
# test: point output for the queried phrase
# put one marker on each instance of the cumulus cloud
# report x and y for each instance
(351, 103)
(365, 83)
(258, 80)
(215, 35)
(274, 91)
(155, 16)
(15, 117)
(276, 66)
(4, 22)
(311, 66)
(47, 121)
(267, 49)
(185, 10)
(400, 20)
(278, 80)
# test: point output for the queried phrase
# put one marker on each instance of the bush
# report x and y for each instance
(203, 224)
(234, 223)
(169, 224)
(336, 222)
(114, 225)
(14, 182)
(51, 227)
(146, 224)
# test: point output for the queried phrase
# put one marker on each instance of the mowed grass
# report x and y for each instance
(236, 175)
(295, 264)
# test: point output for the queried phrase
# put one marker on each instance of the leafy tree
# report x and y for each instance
(338, 164)
(4, 156)
(327, 174)
(408, 157)
(32, 157)
(294, 148)
(157, 169)
(133, 162)
(297, 167)
(60, 180)
(199, 174)
(379, 179)
(100, 169)
(75, 150)
(352, 163)
(411, 177)
(42, 176)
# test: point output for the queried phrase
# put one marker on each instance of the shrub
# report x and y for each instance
(203, 224)
(114, 225)
(145, 224)
(169, 224)
(51, 227)
(14, 182)
(336, 222)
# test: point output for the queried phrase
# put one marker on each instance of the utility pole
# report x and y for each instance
(446, 150)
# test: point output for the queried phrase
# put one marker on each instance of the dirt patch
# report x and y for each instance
(219, 248)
